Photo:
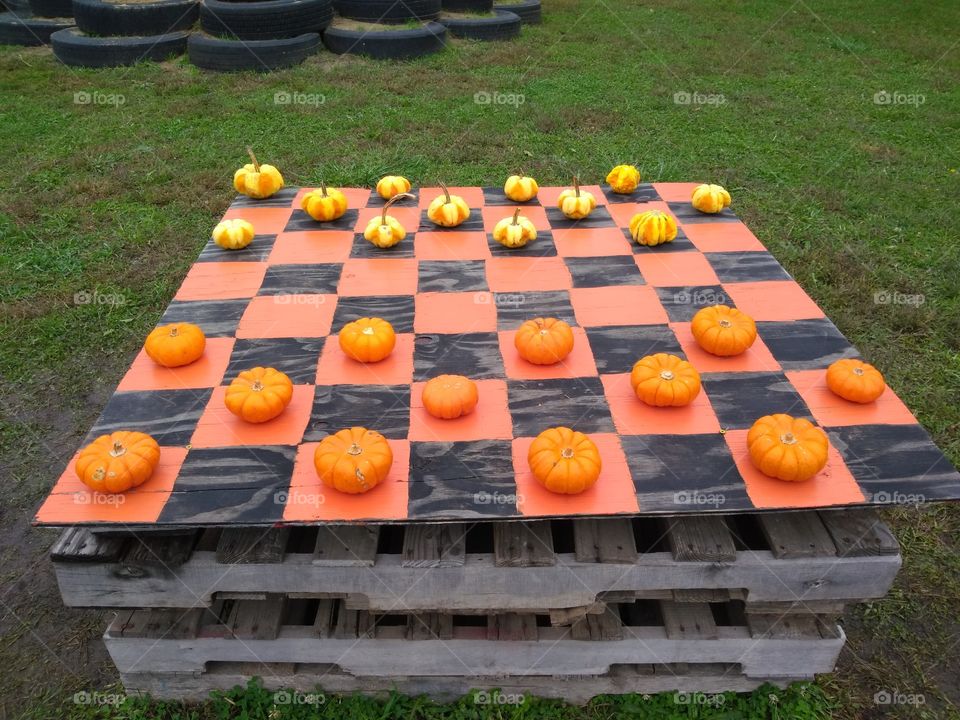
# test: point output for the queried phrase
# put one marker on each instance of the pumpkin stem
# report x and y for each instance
(576, 186)
(391, 201)
(118, 449)
(257, 386)
(355, 449)
(858, 371)
(323, 188)
(516, 215)
(174, 332)
(566, 453)
(666, 375)
(445, 191)
(368, 331)
(724, 323)
(253, 159)
(788, 439)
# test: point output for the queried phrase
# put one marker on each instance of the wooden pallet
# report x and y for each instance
(816, 561)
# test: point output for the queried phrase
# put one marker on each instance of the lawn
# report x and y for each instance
(834, 126)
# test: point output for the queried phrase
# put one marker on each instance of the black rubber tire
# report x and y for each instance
(154, 18)
(480, 6)
(16, 6)
(18, 29)
(502, 26)
(529, 10)
(52, 8)
(219, 54)
(388, 11)
(387, 44)
(264, 20)
(72, 47)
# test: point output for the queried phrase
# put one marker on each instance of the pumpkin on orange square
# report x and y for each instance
(451, 245)
(773, 300)
(613, 493)
(548, 196)
(831, 410)
(722, 236)
(623, 213)
(218, 427)
(620, 305)
(834, 485)
(632, 416)
(145, 374)
(309, 500)
(455, 313)
(676, 269)
(407, 216)
(490, 420)
(591, 242)
(311, 247)
(495, 213)
(395, 369)
(579, 363)
(757, 358)
(473, 196)
(222, 281)
(71, 502)
(280, 316)
(386, 276)
(265, 220)
(675, 191)
(519, 274)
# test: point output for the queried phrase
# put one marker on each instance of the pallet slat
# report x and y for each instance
(700, 538)
(523, 544)
(794, 535)
(252, 545)
(859, 533)
(605, 541)
(434, 545)
(346, 546)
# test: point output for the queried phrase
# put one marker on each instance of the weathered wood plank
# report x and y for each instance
(694, 595)
(257, 619)
(78, 544)
(793, 627)
(347, 545)
(173, 623)
(512, 627)
(323, 623)
(252, 545)
(700, 538)
(859, 533)
(432, 545)
(796, 534)
(688, 620)
(163, 551)
(605, 626)
(568, 616)
(523, 544)
(605, 541)
(429, 626)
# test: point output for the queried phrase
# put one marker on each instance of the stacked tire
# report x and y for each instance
(480, 20)
(371, 28)
(33, 22)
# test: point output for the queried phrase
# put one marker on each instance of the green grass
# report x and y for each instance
(855, 198)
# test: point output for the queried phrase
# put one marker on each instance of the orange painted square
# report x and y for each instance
(722, 237)
(222, 281)
(534, 213)
(773, 300)
(451, 245)
(72, 502)
(676, 269)
(632, 416)
(620, 305)
(591, 242)
(834, 485)
(548, 196)
(395, 369)
(579, 363)
(520, 274)
(393, 276)
(356, 197)
(406, 215)
(311, 246)
(265, 220)
(309, 499)
(218, 427)
(473, 196)
(757, 359)
(275, 316)
(490, 420)
(454, 313)
(675, 191)
(145, 374)
(623, 213)
(831, 410)
(613, 493)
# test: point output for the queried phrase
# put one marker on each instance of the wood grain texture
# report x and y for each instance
(297, 357)
(452, 276)
(257, 251)
(542, 246)
(395, 309)
(599, 218)
(384, 407)
(733, 267)
(578, 403)
(606, 271)
(169, 416)
(217, 318)
(515, 309)
(618, 347)
(738, 399)
(805, 344)
(476, 353)
(314, 279)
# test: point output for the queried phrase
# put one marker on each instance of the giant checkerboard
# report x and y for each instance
(455, 298)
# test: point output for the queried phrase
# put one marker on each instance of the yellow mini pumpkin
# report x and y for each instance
(385, 231)
(520, 188)
(514, 232)
(256, 180)
(623, 179)
(710, 198)
(448, 210)
(325, 204)
(575, 203)
(233, 234)
(392, 185)
(653, 227)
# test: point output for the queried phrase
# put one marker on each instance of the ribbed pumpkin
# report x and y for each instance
(259, 394)
(623, 179)
(118, 461)
(353, 460)
(575, 203)
(449, 396)
(664, 380)
(392, 185)
(653, 227)
(723, 331)
(257, 181)
(448, 210)
(385, 230)
(175, 345)
(855, 380)
(325, 204)
(787, 448)
(233, 234)
(367, 339)
(564, 461)
(544, 341)
(514, 232)
(710, 198)
(520, 188)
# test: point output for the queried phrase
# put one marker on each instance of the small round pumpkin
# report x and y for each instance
(392, 185)
(367, 339)
(233, 234)
(575, 203)
(520, 188)
(664, 380)
(353, 460)
(623, 179)
(564, 461)
(118, 461)
(259, 394)
(386, 231)
(710, 198)
(514, 232)
(448, 210)
(176, 344)
(325, 204)
(787, 448)
(257, 181)
(855, 380)
(449, 396)
(544, 341)
(653, 227)
(723, 331)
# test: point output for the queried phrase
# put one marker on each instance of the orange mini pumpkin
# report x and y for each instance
(449, 396)
(787, 448)
(353, 460)
(118, 461)
(367, 339)
(259, 394)
(325, 204)
(664, 380)
(175, 344)
(855, 380)
(723, 331)
(544, 341)
(564, 461)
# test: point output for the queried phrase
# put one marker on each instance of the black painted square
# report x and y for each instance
(473, 223)
(170, 416)
(513, 309)
(645, 192)
(578, 403)
(686, 213)
(376, 201)
(496, 196)
(297, 357)
(319, 279)
(283, 197)
(542, 246)
(217, 318)
(682, 303)
(395, 309)
(599, 218)
(300, 221)
(589, 272)
(681, 243)
(617, 348)
(476, 355)
(805, 344)
(363, 248)
(739, 399)
(384, 408)
(452, 276)
(746, 266)
(257, 251)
